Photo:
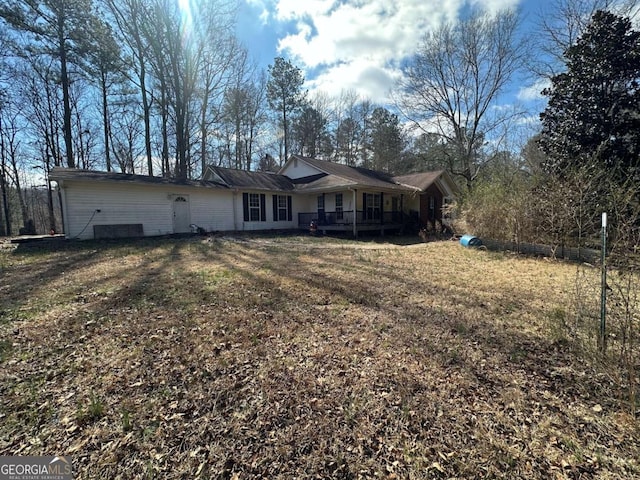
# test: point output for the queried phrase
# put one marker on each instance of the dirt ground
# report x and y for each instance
(297, 357)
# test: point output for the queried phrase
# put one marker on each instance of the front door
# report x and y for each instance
(181, 214)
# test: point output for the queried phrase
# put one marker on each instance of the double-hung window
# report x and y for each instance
(339, 210)
(253, 205)
(282, 208)
(372, 206)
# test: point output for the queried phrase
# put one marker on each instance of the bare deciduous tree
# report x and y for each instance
(456, 77)
(129, 15)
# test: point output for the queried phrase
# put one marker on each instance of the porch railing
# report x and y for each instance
(346, 218)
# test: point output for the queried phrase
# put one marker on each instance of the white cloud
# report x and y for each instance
(357, 44)
(494, 5)
(260, 5)
(533, 92)
(367, 79)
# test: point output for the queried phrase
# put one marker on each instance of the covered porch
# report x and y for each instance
(352, 222)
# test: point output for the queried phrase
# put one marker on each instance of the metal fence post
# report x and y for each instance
(603, 286)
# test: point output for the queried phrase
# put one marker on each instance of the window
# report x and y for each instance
(339, 210)
(372, 206)
(282, 208)
(253, 205)
(396, 215)
(321, 216)
(432, 208)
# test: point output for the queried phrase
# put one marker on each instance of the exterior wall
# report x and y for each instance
(149, 205)
(311, 202)
(210, 208)
(387, 202)
(426, 215)
(269, 223)
(308, 203)
(412, 203)
(299, 169)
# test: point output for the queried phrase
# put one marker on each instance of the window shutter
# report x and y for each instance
(263, 207)
(245, 206)
(275, 207)
(289, 212)
(364, 202)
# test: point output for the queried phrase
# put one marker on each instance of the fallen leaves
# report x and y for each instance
(244, 360)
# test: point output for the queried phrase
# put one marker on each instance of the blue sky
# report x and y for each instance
(358, 44)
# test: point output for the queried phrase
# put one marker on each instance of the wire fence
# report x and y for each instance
(579, 323)
(576, 254)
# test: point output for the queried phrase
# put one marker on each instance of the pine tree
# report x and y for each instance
(284, 94)
(60, 29)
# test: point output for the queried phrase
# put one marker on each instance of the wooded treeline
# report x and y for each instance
(155, 88)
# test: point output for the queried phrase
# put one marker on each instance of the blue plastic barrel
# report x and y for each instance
(470, 241)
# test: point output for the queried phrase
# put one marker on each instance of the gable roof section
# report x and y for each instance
(424, 180)
(62, 174)
(250, 180)
(337, 175)
(330, 176)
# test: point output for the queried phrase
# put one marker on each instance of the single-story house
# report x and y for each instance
(335, 197)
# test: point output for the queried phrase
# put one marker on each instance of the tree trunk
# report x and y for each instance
(16, 180)
(5, 202)
(146, 108)
(50, 211)
(23, 204)
(3, 183)
(203, 130)
(286, 134)
(2, 224)
(64, 79)
(105, 120)
(147, 114)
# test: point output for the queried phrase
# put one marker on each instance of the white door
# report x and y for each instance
(181, 215)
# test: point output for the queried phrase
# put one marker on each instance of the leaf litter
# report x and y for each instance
(218, 358)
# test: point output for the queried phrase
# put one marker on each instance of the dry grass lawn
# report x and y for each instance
(297, 357)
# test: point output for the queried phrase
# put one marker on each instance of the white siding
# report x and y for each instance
(269, 224)
(212, 209)
(149, 205)
(299, 169)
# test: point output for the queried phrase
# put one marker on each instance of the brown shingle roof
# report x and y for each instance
(419, 180)
(340, 175)
(62, 174)
(253, 180)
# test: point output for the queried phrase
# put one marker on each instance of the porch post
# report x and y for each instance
(355, 213)
(382, 214)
